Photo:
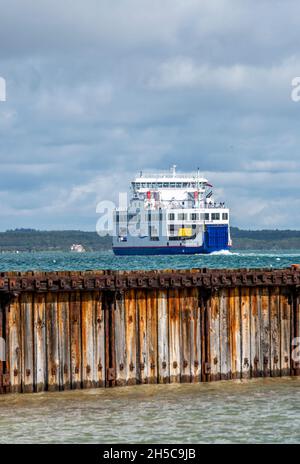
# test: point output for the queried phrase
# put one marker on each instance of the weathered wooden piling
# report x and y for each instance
(70, 330)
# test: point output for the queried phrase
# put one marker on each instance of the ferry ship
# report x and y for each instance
(171, 213)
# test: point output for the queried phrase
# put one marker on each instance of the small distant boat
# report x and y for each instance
(78, 248)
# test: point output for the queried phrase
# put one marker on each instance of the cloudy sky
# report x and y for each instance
(99, 89)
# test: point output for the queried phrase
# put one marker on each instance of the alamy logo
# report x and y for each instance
(2, 90)
(2, 349)
(295, 94)
(296, 350)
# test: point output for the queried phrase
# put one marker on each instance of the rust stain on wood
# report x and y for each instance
(275, 329)
(39, 318)
(265, 331)
(64, 341)
(255, 317)
(151, 336)
(142, 352)
(235, 332)
(285, 333)
(186, 312)
(225, 358)
(214, 329)
(245, 335)
(174, 335)
(163, 337)
(52, 335)
(131, 337)
(195, 335)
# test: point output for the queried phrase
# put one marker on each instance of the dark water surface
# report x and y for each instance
(55, 261)
(254, 411)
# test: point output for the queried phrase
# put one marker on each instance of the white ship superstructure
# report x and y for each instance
(171, 213)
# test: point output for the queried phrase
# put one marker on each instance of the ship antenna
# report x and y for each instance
(174, 170)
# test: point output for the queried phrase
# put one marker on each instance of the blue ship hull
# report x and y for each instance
(175, 250)
(215, 239)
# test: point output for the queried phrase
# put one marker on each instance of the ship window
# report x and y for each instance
(194, 216)
(153, 231)
(171, 228)
(171, 216)
(178, 185)
(215, 216)
(225, 216)
(154, 216)
(172, 185)
(166, 184)
(182, 216)
(160, 185)
(123, 217)
(207, 216)
(143, 185)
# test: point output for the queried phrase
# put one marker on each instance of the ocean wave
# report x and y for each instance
(223, 253)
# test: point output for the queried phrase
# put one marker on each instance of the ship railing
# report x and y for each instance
(168, 174)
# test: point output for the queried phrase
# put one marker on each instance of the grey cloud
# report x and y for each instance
(98, 90)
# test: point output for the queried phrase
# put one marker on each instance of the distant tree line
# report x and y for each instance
(62, 240)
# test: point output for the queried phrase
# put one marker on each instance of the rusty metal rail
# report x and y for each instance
(118, 280)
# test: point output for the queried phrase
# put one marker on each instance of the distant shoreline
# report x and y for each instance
(35, 240)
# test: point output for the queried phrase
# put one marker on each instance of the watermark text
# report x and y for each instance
(2, 89)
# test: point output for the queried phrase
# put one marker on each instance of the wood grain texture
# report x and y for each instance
(285, 334)
(100, 341)
(255, 318)
(275, 329)
(186, 313)
(174, 335)
(14, 324)
(225, 358)
(195, 335)
(151, 336)
(131, 337)
(40, 347)
(88, 334)
(64, 341)
(120, 342)
(265, 331)
(75, 342)
(52, 335)
(214, 338)
(246, 332)
(163, 337)
(235, 333)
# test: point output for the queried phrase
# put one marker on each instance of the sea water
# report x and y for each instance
(253, 411)
(59, 261)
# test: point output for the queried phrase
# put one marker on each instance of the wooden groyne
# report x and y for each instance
(70, 330)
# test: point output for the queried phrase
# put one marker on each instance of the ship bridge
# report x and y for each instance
(171, 189)
(169, 180)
